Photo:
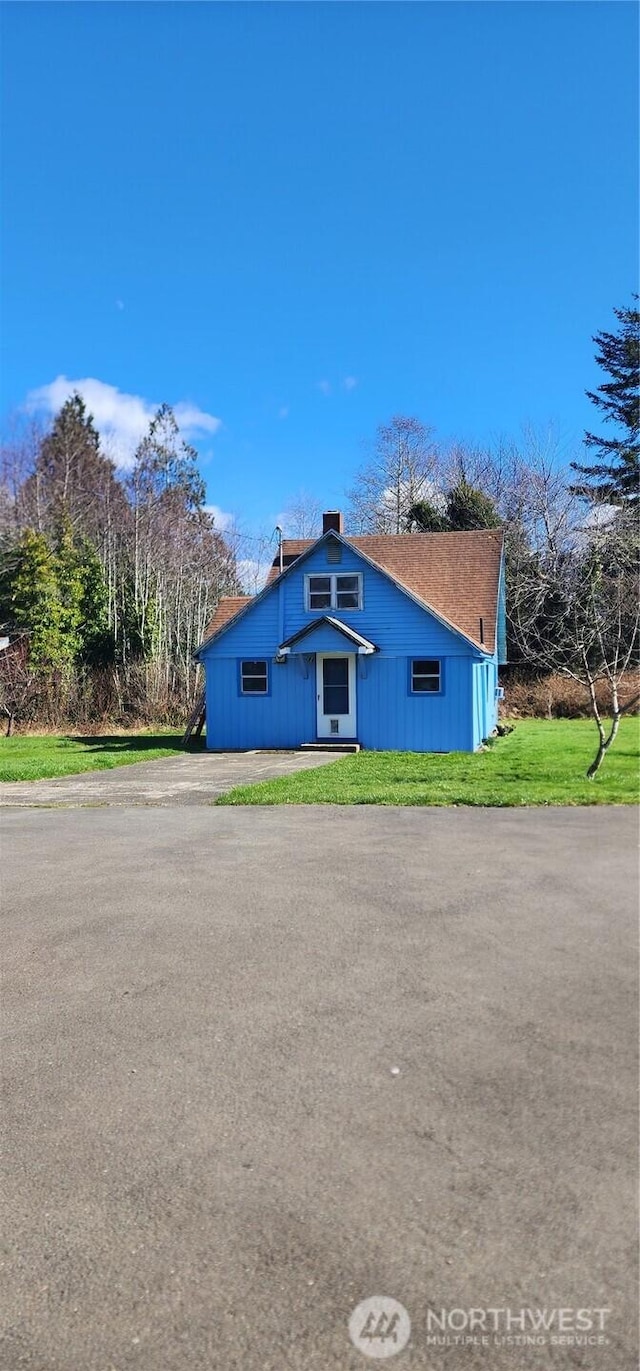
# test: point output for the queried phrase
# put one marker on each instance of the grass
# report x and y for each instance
(39, 756)
(542, 763)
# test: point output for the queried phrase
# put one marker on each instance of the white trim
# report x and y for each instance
(347, 722)
(362, 644)
(359, 652)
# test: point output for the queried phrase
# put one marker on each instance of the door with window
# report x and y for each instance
(336, 691)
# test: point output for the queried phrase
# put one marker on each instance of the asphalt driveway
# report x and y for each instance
(189, 779)
(260, 1065)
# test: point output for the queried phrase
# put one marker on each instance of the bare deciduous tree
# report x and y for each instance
(302, 517)
(577, 612)
(18, 683)
(403, 469)
(21, 445)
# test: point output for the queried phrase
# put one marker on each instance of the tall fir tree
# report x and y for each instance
(97, 647)
(615, 477)
(73, 477)
(166, 465)
(68, 573)
(35, 605)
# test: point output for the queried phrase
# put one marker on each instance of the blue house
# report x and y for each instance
(390, 641)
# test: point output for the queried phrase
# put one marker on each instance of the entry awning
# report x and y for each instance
(327, 635)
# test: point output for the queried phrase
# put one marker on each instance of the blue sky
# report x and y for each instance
(299, 219)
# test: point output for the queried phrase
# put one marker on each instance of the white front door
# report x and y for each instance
(336, 690)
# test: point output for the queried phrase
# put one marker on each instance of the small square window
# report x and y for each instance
(254, 678)
(347, 592)
(320, 592)
(425, 676)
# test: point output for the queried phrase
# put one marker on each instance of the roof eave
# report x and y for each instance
(266, 590)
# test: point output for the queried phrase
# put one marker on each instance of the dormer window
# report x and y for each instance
(338, 591)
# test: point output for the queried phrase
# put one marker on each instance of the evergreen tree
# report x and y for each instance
(615, 477)
(35, 604)
(468, 508)
(96, 638)
(166, 465)
(425, 517)
(73, 477)
(68, 573)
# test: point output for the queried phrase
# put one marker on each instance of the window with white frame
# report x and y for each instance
(340, 590)
(254, 678)
(426, 676)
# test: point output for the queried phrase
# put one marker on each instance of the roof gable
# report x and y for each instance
(454, 576)
(340, 631)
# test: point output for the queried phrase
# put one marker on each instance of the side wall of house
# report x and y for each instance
(485, 704)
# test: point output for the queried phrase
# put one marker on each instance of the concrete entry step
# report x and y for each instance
(340, 748)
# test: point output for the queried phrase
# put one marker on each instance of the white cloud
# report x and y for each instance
(347, 383)
(119, 304)
(222, 519)
(600, 516)
(121, 419)
(595, 522)
(283, 412)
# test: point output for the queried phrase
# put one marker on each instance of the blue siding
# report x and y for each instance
(390, 718)
(256, 634)
(388, 715)
(485, 705)
(285, 718)
(388, 617)
(324, 638)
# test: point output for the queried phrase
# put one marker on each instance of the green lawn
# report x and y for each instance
(542, 763)
(32, 758)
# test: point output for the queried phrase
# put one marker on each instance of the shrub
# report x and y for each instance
(558, 697)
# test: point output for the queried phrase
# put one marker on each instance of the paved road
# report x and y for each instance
(262, 1064)
(189, 779)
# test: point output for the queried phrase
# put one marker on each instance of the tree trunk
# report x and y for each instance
(605, 740)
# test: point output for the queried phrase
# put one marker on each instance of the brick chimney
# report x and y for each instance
(332, 521)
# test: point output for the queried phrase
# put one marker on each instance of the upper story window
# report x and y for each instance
(337, 591)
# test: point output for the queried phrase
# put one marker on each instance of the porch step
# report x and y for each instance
(329, 746)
